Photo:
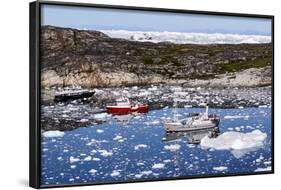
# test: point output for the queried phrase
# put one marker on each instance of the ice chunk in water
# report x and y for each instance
(72, 159)
(115, 173)
(102, 116)
(105, 153)
(137, 147)
(49, 134)
(220, 168)
(99, 131)
(172, 147)
(93, 171)
(158, 166)
(236, 117)
(263, 169)
(88, 158)
(235, 140)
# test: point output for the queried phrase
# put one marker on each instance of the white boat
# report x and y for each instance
(194, 121)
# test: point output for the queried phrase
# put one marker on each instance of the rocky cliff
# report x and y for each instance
(92, 59)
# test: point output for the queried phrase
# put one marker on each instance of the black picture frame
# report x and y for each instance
(34, 91)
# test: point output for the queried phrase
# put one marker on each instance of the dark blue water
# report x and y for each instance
(135, 148)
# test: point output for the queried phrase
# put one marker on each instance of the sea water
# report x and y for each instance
(135, 147)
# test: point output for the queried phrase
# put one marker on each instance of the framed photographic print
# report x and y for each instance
(130, 94)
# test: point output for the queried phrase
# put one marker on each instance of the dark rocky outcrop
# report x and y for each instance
(93, 59)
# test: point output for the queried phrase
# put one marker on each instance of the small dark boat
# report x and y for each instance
(66, 96)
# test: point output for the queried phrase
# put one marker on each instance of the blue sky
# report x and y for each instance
(103, 19)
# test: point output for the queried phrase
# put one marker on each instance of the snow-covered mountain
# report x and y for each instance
(187, 38)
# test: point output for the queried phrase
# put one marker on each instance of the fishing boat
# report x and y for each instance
(125, 106)
(70, 95)
(194, 122)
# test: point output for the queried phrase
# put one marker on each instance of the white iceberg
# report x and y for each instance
(105, 153)
(117, 137)
(102, 116)
(158, 166)
(137, 147)
(93, 171)
(263, 169)
(148, 172)
(96, 159)
(236, 117)
(115, 173)
(220, 168)
(88, 158)
(99, 131)
(240, 153)
(50, 134)
(235, 141)
(73, 159)
(172, 147)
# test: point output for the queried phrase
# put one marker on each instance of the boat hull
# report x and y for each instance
(178, 127)
(126, 110)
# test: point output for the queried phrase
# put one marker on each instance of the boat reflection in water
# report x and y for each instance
(192, 137)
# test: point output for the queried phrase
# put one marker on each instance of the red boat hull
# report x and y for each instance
(126, 110)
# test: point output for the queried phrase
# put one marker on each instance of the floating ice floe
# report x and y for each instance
(155, 122)
(137, 147)
(267, 162)
(115, 173)
(220, 168)
(84, 120)
(105, 153)
(242, 152)
(172, 147)
(88, 158)
(99, 131)
(117, 137)
(73, 159)
(235, 140)
(96, 159)
(123, 118)
(102, 116)
(158, 166)
(50, 134)
(148, 172)
(236, 117)
(93, 171)
(263, 169)
(167, 161)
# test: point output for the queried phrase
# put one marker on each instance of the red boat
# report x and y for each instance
(124, 106)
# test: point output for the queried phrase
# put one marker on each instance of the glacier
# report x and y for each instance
(187, 38)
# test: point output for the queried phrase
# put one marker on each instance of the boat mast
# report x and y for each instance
(207, 111)
(175, 112)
